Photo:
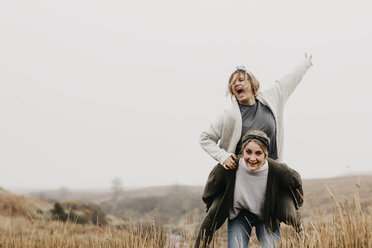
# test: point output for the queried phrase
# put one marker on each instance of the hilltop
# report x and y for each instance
(177, 204)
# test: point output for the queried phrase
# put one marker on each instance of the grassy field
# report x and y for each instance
(337, 213)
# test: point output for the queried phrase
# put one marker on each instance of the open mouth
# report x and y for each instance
(253, 163)
(240, 91)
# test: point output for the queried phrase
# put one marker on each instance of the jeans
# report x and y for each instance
(239, 231)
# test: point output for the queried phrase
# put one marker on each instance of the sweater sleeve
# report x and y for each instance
(291, 179)
(286, 84)
(296, 188)
(210, 137)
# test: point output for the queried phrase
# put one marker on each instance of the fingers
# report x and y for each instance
(229, 163)
(310, 57)
(233, 166)
(225, 166)
(234, 158)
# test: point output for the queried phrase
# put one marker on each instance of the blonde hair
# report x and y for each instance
(258, 142)
(255, 85)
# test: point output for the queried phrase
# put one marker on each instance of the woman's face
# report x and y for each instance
(242, 89)
(254, 157)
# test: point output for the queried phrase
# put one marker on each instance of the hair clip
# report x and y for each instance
(241, 68)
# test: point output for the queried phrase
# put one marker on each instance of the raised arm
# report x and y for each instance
(288, 83)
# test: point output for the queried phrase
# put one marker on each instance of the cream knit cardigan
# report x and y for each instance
(222, 136)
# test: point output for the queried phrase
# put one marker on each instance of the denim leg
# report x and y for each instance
(238, 232)
(267, 238)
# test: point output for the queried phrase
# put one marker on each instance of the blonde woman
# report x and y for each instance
(251, 109)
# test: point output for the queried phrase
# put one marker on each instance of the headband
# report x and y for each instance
(257, 137)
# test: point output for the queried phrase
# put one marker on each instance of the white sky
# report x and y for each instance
(92, 90)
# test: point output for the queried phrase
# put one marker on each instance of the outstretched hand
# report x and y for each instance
(310, 57)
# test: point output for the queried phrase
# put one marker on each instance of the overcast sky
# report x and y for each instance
(92, 90)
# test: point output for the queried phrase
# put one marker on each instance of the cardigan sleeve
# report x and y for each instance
(286, 84)
(291, 179)
(296, 188)
(210, 137)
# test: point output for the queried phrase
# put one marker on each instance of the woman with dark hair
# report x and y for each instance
(249, 195)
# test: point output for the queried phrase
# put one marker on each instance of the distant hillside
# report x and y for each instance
(178, 204)
(175, 205)
(317, 195)
(17, 206)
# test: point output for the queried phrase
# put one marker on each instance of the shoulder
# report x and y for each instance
(269, 97)
(284, 172)
(263, 106)
(274, 165)
(279, 169)
(233, 107)
(230, 113)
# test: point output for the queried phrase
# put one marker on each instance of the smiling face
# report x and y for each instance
(241, 88)
(253, 155)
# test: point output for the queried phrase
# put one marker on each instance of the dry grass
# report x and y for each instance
(18, 232)
(349, 224)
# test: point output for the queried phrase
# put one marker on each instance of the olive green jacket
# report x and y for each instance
(219, 192)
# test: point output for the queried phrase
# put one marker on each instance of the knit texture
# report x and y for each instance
(250, 190)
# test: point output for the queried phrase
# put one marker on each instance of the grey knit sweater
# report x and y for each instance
(250, 190)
